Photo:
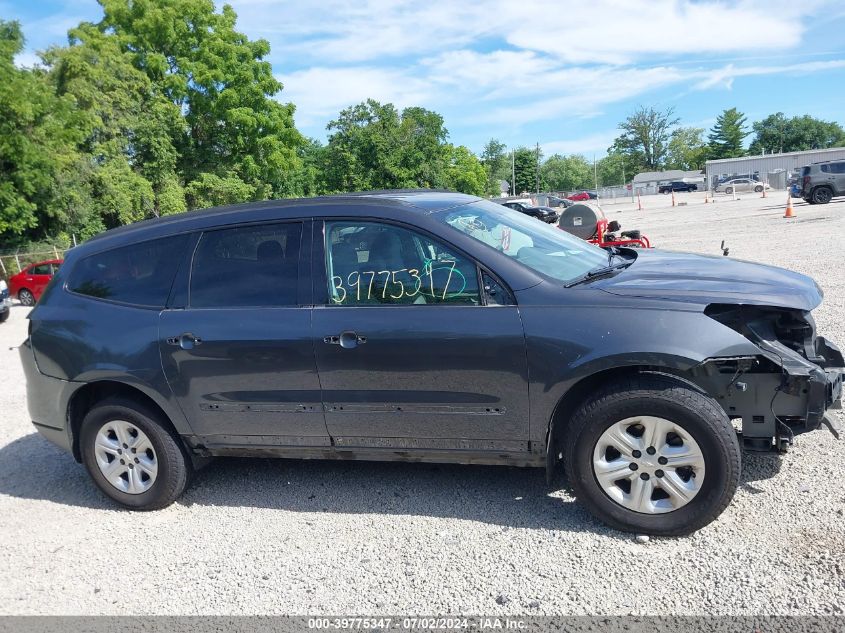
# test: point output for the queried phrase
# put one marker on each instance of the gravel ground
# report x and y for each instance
(279, 536)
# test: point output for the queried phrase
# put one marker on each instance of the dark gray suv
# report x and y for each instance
(821, 182)
(423, 326)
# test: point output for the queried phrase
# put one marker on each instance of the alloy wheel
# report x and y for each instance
(648, 464)
(126, 457)
(822, 195)
(26, 297)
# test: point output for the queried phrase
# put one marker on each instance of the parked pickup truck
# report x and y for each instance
(677, 186)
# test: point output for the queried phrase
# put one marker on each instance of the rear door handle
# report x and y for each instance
(185, 340)
(346, 340)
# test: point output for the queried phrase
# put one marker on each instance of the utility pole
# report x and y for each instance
(537, 168)
(513, 172)
(596, 175)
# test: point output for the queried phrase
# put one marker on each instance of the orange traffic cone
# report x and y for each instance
(673, 198)
(789, 212)
(764, 191)
(706, 199)
(639, 202)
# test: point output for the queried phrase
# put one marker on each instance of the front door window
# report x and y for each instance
(370, 263)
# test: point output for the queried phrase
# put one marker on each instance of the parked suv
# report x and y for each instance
(677, 186)
(820, 182)
(423, 326)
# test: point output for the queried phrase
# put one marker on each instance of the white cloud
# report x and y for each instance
(725, 76)
(588, 145)
(320, 93)
(624, 31)
(597, 31)
(501, 64)
(27, 60)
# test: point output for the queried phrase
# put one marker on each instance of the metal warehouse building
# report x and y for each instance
(776, 169)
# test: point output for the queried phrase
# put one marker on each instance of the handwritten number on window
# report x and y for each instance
(393, 287)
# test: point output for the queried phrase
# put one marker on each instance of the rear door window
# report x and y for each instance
(140, 274)
(42, 269)
(247, 266)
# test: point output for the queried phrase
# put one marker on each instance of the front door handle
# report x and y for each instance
(347, 340)
(185, 341)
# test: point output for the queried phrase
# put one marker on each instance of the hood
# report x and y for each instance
(705, 279)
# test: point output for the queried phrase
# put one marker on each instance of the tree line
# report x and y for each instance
(163, 107)
(653, 140)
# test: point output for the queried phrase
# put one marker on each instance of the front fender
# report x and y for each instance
(568, 344)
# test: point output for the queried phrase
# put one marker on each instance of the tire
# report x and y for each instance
(26, 297)
(809, 201)
(173, 468)
(729, 190)
(4, 315)
(687, 410)
(822, 195)
(758, 189)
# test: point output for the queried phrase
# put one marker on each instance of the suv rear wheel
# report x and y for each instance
(822, 195)
(131, 455)
(653, 455)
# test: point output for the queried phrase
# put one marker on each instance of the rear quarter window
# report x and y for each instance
(140, 274)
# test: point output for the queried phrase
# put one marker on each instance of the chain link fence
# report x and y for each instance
(13, 261)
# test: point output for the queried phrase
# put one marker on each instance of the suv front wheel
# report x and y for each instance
(822, 195)
(131, 455)
(653, 455)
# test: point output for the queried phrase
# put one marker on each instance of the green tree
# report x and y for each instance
(311, 177)
(525, 165)
(374, 146)
(687, 149)
(211, 190)
(37, 138)
(612, 170)
(233, 126)
(464, 171)
(566, 173)
(727, 135)
(496, 160)
(776, 133)
(645, 138)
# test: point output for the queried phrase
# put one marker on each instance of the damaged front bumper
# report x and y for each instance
(779, 393)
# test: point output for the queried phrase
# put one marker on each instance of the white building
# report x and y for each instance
(776, 169)
(649, 181)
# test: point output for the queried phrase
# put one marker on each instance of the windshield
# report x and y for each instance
(542, 247)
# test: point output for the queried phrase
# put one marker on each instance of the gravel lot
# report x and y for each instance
(278, 536)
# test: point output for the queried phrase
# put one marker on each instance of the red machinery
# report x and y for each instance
(590, 224)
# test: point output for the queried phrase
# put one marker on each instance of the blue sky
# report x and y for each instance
(559, 72)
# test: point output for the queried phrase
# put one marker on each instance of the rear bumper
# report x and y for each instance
(47, 400)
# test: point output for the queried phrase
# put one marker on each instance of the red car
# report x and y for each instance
(578, 197)
(28, 284)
